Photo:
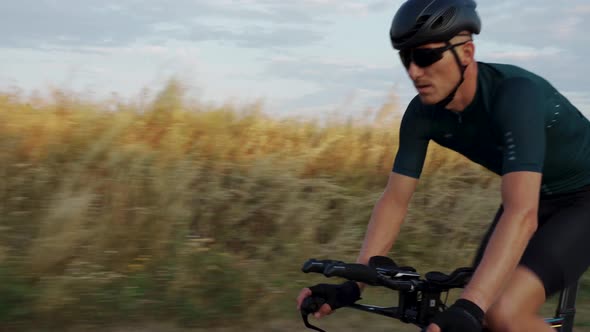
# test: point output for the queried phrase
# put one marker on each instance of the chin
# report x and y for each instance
(429, 99)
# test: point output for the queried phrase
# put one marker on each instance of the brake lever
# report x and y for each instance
(309, 306)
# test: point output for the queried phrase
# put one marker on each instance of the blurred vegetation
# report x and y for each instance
(164, 209)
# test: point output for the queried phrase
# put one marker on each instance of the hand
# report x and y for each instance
(325, 309)
(336, 296)
(463, 316)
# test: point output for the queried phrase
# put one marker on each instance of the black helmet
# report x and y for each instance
(419, 22)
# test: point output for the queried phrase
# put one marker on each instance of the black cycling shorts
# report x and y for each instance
(559, 251)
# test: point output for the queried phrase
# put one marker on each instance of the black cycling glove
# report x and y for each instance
(337, 296)
(463, 316)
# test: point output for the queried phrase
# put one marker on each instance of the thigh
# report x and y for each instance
(524, 294)
(558, 251)
(517, 307)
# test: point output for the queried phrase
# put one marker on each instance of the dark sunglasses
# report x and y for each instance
(424, 57)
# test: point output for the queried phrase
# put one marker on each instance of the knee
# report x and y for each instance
(517, 307)
(502, 316)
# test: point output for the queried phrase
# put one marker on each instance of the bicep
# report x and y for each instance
(400, 189)
(520, 192)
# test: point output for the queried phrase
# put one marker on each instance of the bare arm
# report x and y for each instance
(387, 217)
(520, 196)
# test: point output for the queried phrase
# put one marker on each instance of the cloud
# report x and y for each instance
(547, 37)
(340, 100)
(580, 99)
(67, 22)
(546, 22)
(33, 23)
(507, 51)
(257, 36)
(345, 85)
(331, 73)
(580, 9)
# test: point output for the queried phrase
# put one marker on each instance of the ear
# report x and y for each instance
(468, 52)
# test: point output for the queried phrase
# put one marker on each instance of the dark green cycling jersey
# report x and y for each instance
(516, 122)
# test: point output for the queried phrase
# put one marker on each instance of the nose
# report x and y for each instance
(414, 71)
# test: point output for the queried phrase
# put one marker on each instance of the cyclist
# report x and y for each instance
(515, 124)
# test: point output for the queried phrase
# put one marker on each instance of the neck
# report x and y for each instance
(466, 92)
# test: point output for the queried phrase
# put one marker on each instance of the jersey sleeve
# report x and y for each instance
(520, 119)
(413, 142)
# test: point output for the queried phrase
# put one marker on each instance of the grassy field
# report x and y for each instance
(118, 214)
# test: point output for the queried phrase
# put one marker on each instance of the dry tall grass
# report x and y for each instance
(172, 210)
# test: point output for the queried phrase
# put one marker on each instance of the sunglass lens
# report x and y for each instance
(424, 57)
(406, 57)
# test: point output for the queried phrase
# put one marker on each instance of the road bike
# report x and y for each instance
(419, 299)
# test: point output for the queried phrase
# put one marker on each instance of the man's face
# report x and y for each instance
(437, 81)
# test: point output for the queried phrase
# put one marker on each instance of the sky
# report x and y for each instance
(297, 57)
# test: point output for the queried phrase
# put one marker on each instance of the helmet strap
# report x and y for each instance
(443, 103)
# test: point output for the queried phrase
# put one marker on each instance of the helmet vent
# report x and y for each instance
(444, 19)
(410, 34)
(421, 20)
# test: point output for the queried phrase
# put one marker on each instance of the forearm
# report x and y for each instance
(503, 252)
(383, 229)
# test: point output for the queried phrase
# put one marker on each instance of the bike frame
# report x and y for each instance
(566, 309)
